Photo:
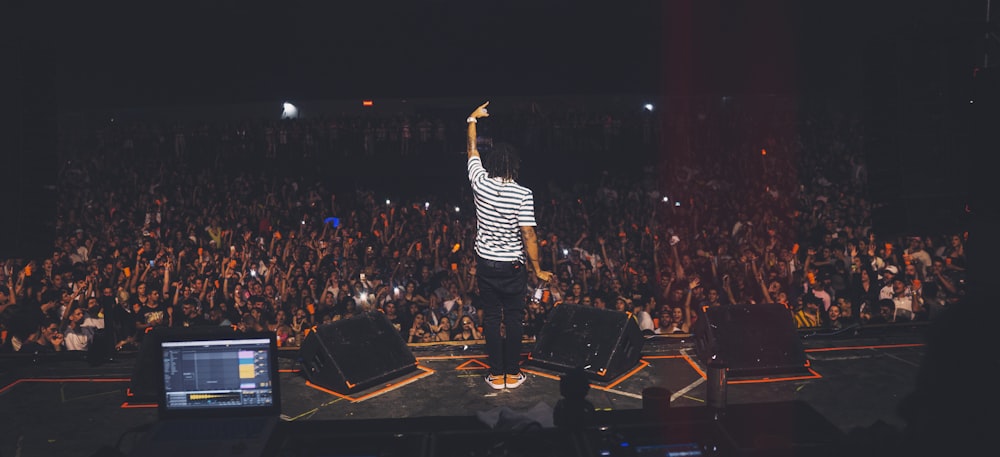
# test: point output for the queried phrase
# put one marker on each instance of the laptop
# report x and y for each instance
(218, 395)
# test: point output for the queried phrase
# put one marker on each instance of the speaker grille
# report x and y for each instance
(605, 343)
(751, 339)
(354, 354)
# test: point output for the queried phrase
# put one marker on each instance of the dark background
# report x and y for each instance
(136, 53)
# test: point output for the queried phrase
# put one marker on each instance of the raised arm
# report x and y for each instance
(657, 272)
(727, 289)
(692, 284)
(166, 280)
(470, 142)
(758, 275)
(133, 280)
(678, 267)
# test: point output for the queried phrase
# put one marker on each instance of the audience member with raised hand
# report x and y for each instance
(467, 330)
(78, 332)
(46, 338)
(420, 331)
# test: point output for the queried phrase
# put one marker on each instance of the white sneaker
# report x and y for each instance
(514, 380)
(495, 381)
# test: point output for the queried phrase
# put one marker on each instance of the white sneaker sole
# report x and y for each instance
(493, 385)
(517, 382)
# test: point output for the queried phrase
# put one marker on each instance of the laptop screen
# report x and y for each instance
(230, 376)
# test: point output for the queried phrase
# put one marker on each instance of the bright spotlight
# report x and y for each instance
(648, 107)
(289, 111)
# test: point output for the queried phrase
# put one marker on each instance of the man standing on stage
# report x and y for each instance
(505, 216)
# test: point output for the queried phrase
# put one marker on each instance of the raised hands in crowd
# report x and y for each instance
(231, 242)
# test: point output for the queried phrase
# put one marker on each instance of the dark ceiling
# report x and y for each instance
(129, 53)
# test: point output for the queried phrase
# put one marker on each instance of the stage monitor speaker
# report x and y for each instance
(605, 343)
(750, 340)
(354, 354)
(143, 386)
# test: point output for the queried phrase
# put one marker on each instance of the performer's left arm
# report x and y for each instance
(470, 143)
(531, 246)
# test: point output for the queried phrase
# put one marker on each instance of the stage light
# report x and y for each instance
(648, 107)
(289, 111)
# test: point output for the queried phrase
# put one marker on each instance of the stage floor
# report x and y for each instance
(65, 406)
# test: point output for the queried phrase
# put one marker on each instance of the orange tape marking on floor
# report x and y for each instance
(451, 357)
(472, 364)
(19, 381)
(812, 374)
(138, 405)
(878, 346)
(388, 387)
(642, 364)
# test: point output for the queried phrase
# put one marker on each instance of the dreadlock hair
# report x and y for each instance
(501, 160)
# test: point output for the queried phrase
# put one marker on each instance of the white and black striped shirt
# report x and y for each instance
(502, 208)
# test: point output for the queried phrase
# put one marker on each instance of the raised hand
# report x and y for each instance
(480, 112)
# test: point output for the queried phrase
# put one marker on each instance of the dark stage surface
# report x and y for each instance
(65, 406)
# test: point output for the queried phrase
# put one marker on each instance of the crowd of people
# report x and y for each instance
(286, 225)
